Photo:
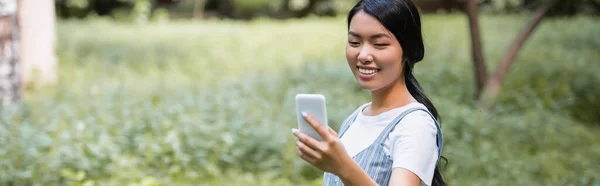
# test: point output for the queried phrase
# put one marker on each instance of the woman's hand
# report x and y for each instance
(328, 155)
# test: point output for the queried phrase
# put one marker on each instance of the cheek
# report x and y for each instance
(389, 59)
(351, 54)
(391, 62)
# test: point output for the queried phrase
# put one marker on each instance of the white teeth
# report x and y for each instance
(367, 71)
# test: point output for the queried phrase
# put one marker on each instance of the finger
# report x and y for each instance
(309, 141)
(309, 153)
(322, 131)
(306, 158)
(332, 132)
(295, 132)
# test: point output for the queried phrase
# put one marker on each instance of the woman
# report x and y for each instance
(394, 139)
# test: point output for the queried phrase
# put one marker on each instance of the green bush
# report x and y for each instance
(211, 103)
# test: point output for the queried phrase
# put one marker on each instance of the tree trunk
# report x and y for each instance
(199, 8)
(477, 49)
(494, 83)
(10, 84)
(38, 35)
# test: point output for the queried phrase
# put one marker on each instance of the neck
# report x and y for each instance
(390, 97)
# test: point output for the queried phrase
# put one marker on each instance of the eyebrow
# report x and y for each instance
(376, 36)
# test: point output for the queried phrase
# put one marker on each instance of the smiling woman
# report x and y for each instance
(395, 139)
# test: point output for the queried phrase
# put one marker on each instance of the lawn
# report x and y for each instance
(211, 103)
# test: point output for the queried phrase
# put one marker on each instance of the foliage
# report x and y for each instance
(141, 10)
(254, 8)
(566, 7)
(212, 103)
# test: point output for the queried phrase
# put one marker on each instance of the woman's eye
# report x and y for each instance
(354, 44)
(381, 44)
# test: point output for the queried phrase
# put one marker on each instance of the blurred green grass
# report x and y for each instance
(211, 103)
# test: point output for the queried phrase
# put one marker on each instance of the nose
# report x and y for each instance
(365, 55)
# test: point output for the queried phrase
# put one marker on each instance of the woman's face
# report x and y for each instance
(373, 53)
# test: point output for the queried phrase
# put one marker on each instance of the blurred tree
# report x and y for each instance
(223, 7)
(434, 6)
(493, 83)
(199, 8)
(476, 47)
(38, 38)
(10, 84)
(246, 9)
(569, 7)
(279, 9)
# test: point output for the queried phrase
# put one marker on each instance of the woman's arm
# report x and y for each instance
(330, 155)
(354, 175)
(403, 177)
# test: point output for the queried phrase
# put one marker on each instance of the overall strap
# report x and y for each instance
(384, 134)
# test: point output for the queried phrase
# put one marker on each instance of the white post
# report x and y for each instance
(38, 38)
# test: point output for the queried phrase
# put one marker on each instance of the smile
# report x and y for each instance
(367, 71)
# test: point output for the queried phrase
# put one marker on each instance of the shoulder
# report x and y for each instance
(418, 119)
(413, 140)
(416, 129)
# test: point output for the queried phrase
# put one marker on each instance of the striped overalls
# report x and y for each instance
(373, 160)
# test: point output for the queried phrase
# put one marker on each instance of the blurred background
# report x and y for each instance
(201, 92)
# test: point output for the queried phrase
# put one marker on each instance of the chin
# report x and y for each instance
(367, 86)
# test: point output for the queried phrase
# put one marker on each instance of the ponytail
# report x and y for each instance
(415, 89)
(417, 92)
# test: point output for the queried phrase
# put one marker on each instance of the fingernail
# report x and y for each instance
(294, 130)
(304, 114)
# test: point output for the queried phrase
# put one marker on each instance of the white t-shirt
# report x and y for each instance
(411, 144)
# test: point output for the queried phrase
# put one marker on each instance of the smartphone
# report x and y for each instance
(314, 105)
